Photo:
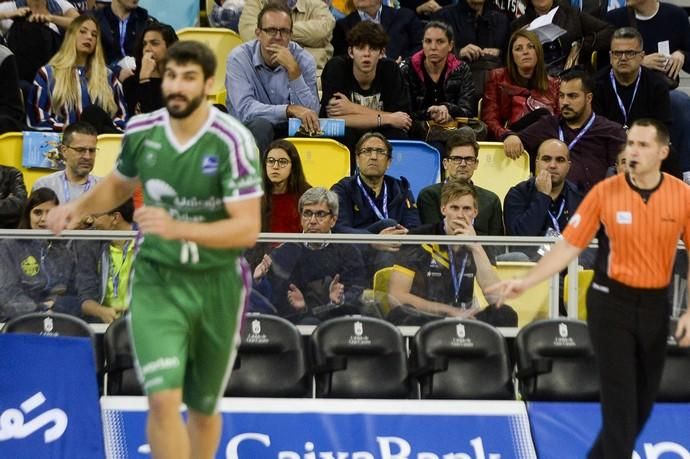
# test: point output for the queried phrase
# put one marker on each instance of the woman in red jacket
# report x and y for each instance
(517, 95)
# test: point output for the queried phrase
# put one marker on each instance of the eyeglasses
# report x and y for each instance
(369, 151)
(281, 162)
(83, 150)
(320, 215)
(628, 53)
(457, 160)
(546, 159)
(273, 31)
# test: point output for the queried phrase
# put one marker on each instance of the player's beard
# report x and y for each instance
(185, 111)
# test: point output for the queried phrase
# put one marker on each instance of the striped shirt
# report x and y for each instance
(638, 239)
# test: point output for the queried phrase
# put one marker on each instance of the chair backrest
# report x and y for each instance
(270, 361)
(49, 324)
(496, 172)
(359, 357)
(555, 361)
(109, 146)
(417, 161)
(675, 380)
(461, 359)
(11, 155)
(325, 161)
(121, 377)
(533, 304)
(221, 41)
(584, 278)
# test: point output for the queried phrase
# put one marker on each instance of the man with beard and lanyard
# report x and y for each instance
(202, 186)
(638, 218)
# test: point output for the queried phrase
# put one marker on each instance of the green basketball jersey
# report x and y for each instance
(192, 182)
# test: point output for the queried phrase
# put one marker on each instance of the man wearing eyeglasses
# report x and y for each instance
(271, 79)
(78, 149)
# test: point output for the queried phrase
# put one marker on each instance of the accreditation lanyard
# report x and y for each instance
(380, 213)
(554, 218)
(584, 130)
(116, 274)
(123, 34)
(457, 277)
(620, 101)
(65, 186)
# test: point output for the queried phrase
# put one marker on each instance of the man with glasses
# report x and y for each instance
(271, 79)
(78, 150)
(310, 282)
(462, 159)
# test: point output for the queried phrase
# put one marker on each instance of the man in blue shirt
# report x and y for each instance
(271, 79)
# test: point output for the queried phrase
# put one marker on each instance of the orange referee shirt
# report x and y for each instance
(642, 236)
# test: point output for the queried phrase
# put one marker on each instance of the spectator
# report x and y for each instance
(37, 274)
(56, 14)
(440, 84)
(284, 183)
(225, 13)
(593, 140)
(425, 9)
(402, 26)
(365, 89)
(312, 26)
(121, 23)
(440, 280)
(460, 163)
(78, 149)
(271, 79)
(12, 196)
(481, 36)
(522, 92)
(584, 34)
(103, 289)
(11, 105)
(310, 282)
(76, 84)
(83, 6)
(143, 91)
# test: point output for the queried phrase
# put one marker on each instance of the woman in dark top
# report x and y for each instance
(143, 90)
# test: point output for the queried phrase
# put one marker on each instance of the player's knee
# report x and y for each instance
(203, 421)
(165, 403)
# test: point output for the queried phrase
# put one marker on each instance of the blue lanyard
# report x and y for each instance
(554, 219)
(579, 136)
(618, 98)
(457, 279)
(65, 186)
(116, 275)
(381, 214)
(123, 34)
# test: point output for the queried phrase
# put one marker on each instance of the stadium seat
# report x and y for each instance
(121, 378)
(584, 278)
(675, 380)
(496, 172)
(417, 161)
(325, 161)
(359, 357)
(221, 41)
(11, 155)
(461, 359)
(555, 361)
(271, 361)
(109, 146)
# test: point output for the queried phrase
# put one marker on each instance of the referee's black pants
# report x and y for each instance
(628, 328)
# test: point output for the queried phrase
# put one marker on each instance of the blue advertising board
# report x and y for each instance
(48, 398)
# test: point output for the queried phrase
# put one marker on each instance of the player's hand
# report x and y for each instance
(63, 217)
(675, 64)
(340, 105)
(506, 290)
(543, 182)
(512, 145)
(397, 229)
(439, 113)
(336, 290)
(683, 330)
(262, 268)
(470, 52)
(296, 298)
(155, 220)
(400, 120)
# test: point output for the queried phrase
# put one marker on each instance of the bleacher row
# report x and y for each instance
(365, 357)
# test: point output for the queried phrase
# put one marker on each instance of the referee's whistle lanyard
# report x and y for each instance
(457, 277)
(620, 101)
(577, 138)
(382, 214)
(554, 218)
(116, 274)
(65, 186)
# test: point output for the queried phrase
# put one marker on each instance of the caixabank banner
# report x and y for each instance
(343, 429)
(567, 430)
(48, 398)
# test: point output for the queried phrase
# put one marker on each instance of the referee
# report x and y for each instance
(638, 218)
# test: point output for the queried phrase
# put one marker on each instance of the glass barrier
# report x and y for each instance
(309, 278)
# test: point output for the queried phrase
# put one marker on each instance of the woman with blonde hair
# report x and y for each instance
(520, 93)
(77, 85)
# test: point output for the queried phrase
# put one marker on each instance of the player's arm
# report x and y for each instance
(240, 229)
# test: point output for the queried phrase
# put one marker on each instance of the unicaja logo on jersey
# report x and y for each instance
(158, 189)
(359, 328)
(563, 330)
(209, 165)
(256, 327)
